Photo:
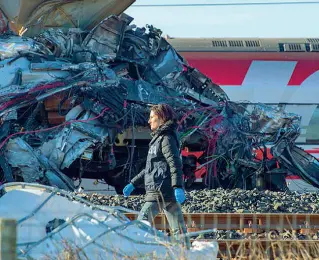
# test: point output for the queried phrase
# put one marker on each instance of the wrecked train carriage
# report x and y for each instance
(102, 95)
(74, 103)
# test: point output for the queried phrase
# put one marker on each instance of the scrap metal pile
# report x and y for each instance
(75, 104)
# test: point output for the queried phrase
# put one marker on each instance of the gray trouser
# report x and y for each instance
(173, 213)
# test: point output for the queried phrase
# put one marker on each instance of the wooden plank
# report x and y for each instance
(8, 239)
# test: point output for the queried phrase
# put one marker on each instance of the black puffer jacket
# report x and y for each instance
(163, 171)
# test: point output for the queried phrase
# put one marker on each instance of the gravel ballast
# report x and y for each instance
(220, 200)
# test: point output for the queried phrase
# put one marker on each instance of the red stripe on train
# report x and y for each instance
(302, 71)
(230, 69)
(312, 150)
(223, 72)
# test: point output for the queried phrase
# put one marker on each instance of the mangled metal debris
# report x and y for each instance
(74, 104)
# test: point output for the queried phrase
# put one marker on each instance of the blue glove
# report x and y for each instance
(128, 189)
(179, 195)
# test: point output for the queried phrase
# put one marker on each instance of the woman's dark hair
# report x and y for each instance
(164, 112)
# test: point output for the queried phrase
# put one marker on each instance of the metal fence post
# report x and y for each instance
(8, 239)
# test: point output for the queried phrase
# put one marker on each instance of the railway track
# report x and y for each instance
(261, 226)
(244, 222)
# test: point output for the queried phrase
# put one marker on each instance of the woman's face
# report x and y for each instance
(154, 121)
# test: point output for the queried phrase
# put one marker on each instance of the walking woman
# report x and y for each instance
(162, 175)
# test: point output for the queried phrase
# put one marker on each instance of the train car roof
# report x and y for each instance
(245, 44)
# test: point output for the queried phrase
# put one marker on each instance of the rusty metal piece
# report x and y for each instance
(55, 119)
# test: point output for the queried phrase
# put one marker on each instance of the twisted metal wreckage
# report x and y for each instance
(75, 104)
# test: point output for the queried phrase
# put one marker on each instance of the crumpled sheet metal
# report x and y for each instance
(33, 165)
(20, 155)
(142, 91)
(269, 120)
(39, 15)
(71, 143)
(106, 38)
(65, 142)
(11, 46)
(75, 152)
(59, 44)
(30, 78)
(165, 66)
(66, 147)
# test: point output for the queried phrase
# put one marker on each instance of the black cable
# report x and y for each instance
(226, 4)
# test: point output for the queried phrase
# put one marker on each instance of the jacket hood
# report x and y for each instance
(40, 15)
